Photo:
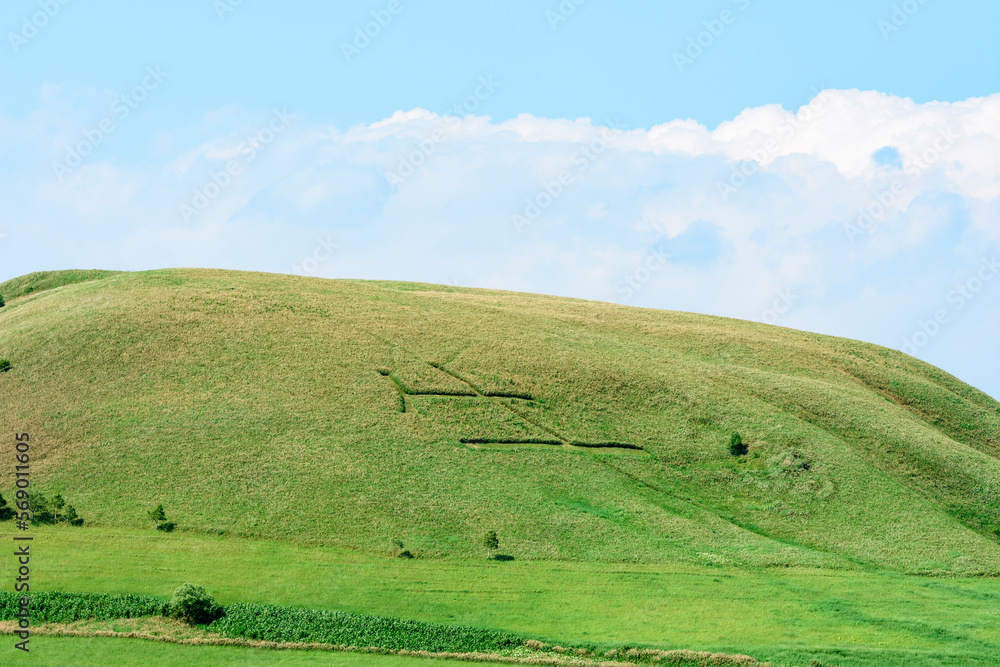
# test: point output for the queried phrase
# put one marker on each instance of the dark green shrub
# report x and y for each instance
(50, 512)
(193, 605)
(736, 445)
(41, 513)
(166, 526)
(2, 302)
(399, 551)
(4, 366)
(6, 513)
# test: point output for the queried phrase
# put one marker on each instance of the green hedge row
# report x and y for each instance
(70, 607)
(289, 624)
(270, 623)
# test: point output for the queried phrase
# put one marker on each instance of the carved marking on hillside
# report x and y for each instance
(501, 399)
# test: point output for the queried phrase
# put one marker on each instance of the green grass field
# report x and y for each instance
(105, 652)
(787, 616)
(294, 428)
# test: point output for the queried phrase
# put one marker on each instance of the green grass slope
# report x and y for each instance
(42, 281)
(352, 413)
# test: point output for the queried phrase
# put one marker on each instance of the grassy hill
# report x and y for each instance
(353, 413)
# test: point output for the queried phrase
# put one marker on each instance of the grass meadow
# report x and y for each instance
(787, 616)
(114, 652)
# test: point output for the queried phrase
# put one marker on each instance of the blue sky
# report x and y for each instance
(604, 60)
(717, 157)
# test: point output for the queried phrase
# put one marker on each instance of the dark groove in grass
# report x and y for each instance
(508, 441)
(607, 445)
(402, 397)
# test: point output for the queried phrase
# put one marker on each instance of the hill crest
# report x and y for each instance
(354, 413)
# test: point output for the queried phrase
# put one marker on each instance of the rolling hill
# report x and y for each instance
(353, 413)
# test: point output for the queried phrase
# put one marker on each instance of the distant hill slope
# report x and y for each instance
(353, 413)
(42, 281)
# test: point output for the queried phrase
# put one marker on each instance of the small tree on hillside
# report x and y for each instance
(400, 550)
(2, 303)
(41, 513)
(736, 445)
(4, 366)
(57, 506)
(158, 516)
(71, 517)
(491, 542)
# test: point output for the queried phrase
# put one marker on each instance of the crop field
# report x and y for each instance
(300, 432)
